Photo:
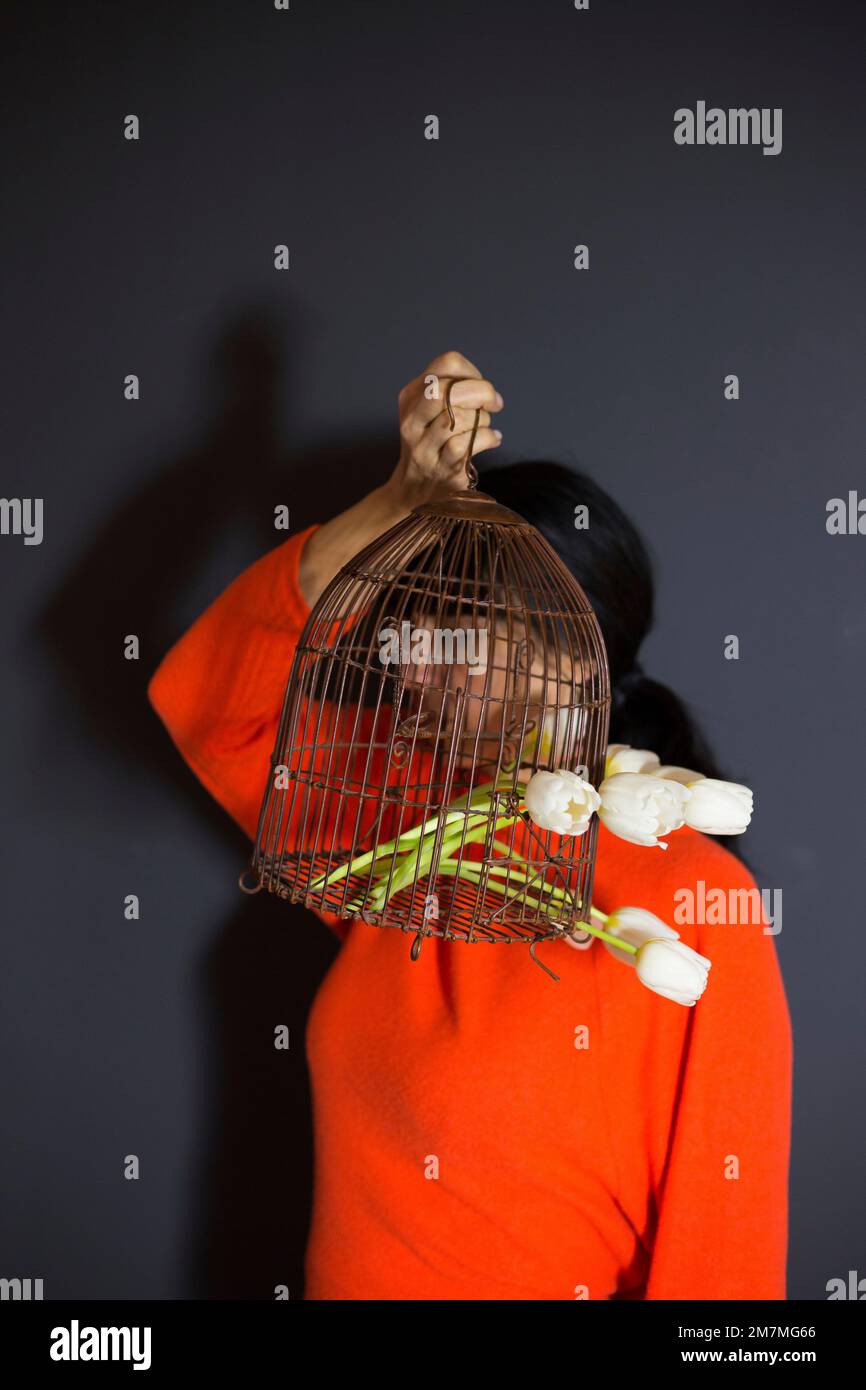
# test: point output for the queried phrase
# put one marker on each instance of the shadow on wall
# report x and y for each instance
(267, 959)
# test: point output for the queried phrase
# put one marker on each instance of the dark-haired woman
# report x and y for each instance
(479, 1132)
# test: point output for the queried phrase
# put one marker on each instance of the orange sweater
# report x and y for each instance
(482, 1132)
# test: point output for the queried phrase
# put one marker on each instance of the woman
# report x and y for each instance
(481, 1133)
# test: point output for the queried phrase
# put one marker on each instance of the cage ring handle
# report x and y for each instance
(471, 470)
(244, 887)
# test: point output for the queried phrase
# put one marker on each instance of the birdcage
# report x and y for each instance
(449, 661)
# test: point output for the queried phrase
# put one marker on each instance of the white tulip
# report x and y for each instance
(558, 735)
(679, 774)
(639, 807)
(561, 801)
(636, 926)
(719, 808)
(673, 970)
(621, 757)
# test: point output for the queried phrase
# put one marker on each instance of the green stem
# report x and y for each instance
(417, 845)
(406, 839)
(419, 864)
(557, 894)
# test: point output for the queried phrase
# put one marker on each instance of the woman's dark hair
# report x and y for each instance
(611, 563)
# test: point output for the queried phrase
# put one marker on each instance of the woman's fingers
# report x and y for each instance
(431, 451)
(455, 450)
(426, 392)
(439, 430)
(420, 410)
(438, 433)
(472, 394)
(450, 364)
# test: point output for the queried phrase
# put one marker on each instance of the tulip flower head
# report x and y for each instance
(557, 736)
(673, 970)
(640, 808)
(719, 808)
(621, 757)
(661, 961)
(561, 801)
(636, 926)
(679, 774)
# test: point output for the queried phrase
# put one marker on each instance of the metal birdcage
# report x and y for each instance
(446, 663)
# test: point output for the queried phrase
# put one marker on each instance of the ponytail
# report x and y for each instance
(612, 565)
(646, 714)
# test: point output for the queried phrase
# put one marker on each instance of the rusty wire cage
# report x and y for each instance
(452, 657)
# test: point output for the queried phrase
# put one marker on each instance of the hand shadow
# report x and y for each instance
(250, 1202)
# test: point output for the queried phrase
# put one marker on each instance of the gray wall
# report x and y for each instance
(258, 127)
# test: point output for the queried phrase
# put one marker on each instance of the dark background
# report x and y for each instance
(260, 127)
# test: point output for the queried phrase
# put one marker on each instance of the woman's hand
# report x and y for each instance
(430, 467)
(432, 455)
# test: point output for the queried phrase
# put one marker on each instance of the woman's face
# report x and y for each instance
(493, 691)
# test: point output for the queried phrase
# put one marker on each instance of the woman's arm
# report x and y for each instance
(430, 465)
(219, 691)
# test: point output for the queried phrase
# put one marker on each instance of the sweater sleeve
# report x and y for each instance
(721, 1230)
(219, 690)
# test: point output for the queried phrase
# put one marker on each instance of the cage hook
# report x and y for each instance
(471, 470)
(541, 962)
(243, 886)
(416, 946)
